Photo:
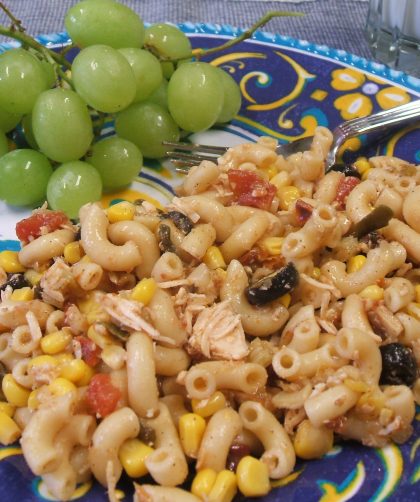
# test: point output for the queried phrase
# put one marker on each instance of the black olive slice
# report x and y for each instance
(378, 218)
(181, 221)
(16, 281)
(346, 169)
(273, 286)
(399, 365)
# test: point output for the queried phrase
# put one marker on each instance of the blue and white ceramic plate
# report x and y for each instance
(289, 87)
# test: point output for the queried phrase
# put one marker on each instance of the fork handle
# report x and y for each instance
(374, 123)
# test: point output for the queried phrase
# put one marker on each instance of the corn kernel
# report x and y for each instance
(356, 385)
(61, 386)
(365, 174)
(9, 262)
(42, 361)
(7, 408)
(214, 258)
(355, 263)
(372, 292)
(73, 370)
(312, 442)
(221, 274)
(33, 401)
(114, 356)
(56, 342)
(191, 430)
(269, 172)
(73, 252)
(252, 476)
(272, 245)
(316, 273)
(32, 276)
(203, 483)
(144, 291)
(101, 339)
(285, 300)
(88, 373)
(9, 430)
(417, 290)
(413, 309)
(22, 295)
(287, 196)
(132, 455)
(63, 358)
(123, 211)
(281, 179)
(15, 393)
(207, 407)
(224, 488)
(362, 164)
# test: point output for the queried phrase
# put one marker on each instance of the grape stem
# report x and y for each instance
(16, 23)
(199, 53)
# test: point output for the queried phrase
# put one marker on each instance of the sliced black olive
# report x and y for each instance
(273, 286)
(181, 221)
(378, 218)
(147, 435)
(164, 236)
(399, 365)
(346, 169)
(16, 281)
(372, 239)
(236, 453)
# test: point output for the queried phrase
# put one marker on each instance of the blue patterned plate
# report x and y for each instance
(289, 87)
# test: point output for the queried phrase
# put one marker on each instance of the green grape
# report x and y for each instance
(106, 22)
(104, 78)
(49, 73)
(72, 185)
(147, 71)
(195, 96)
(24, 176)
(28, 131)
(160, 95)
(8, 121)
(167, 41)
(147, 125)
(4, 144)
(22, 79)
(167, 69)
(232, 97)
(117, 160)
(61, 125)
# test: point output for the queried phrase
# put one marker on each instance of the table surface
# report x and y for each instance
(336, 23)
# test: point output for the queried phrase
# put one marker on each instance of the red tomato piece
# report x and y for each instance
(303, 211)
(102, 397)
(32, 227)
(345, 186)
(90, 351)
(250, 189)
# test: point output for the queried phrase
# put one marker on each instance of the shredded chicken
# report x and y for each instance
(188, 306)
(184, 207)
(218, 334)
(58, 284)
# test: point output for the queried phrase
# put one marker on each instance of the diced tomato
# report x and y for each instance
(102, 397)
(90, 351)
(303, 211)
(250, 189)
(31, 227)
(345, 186)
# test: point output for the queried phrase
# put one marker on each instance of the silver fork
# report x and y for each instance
(186, 155)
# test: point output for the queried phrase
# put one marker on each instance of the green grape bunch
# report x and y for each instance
(148, 80)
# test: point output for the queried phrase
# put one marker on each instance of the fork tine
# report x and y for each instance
(190, 157)
(192, 147)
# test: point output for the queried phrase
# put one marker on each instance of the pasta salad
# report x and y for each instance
(268, 311)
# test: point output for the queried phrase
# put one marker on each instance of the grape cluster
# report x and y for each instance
(146, 79)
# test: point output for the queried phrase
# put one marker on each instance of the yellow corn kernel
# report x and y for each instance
(272, 245)
(88, 373)
(221, 274)
(281, 179)
(191, 429)
(132, 455)
(63, 358)
(316, 273)
(9, 430)
(56, 342)
(114, 356)
(15, 393)
(7, 408)
(32, 276)
(285, 300)
(144, 291)
(214, 258)
(33, 401)
(355, 263)
(413, 309)
(73, 252)
(312, 442)
(122, 211)
(224, 488)
(287, 196)
(365, 174)
(362, 164)
(269, 172)
(207, 407)
(9, 262)
(101, 339)
(23, 294)
(372, 292)
(42, 361)
(417, 290)
(252, 477)
(203, 483)
(356, 385)
(61, 386)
